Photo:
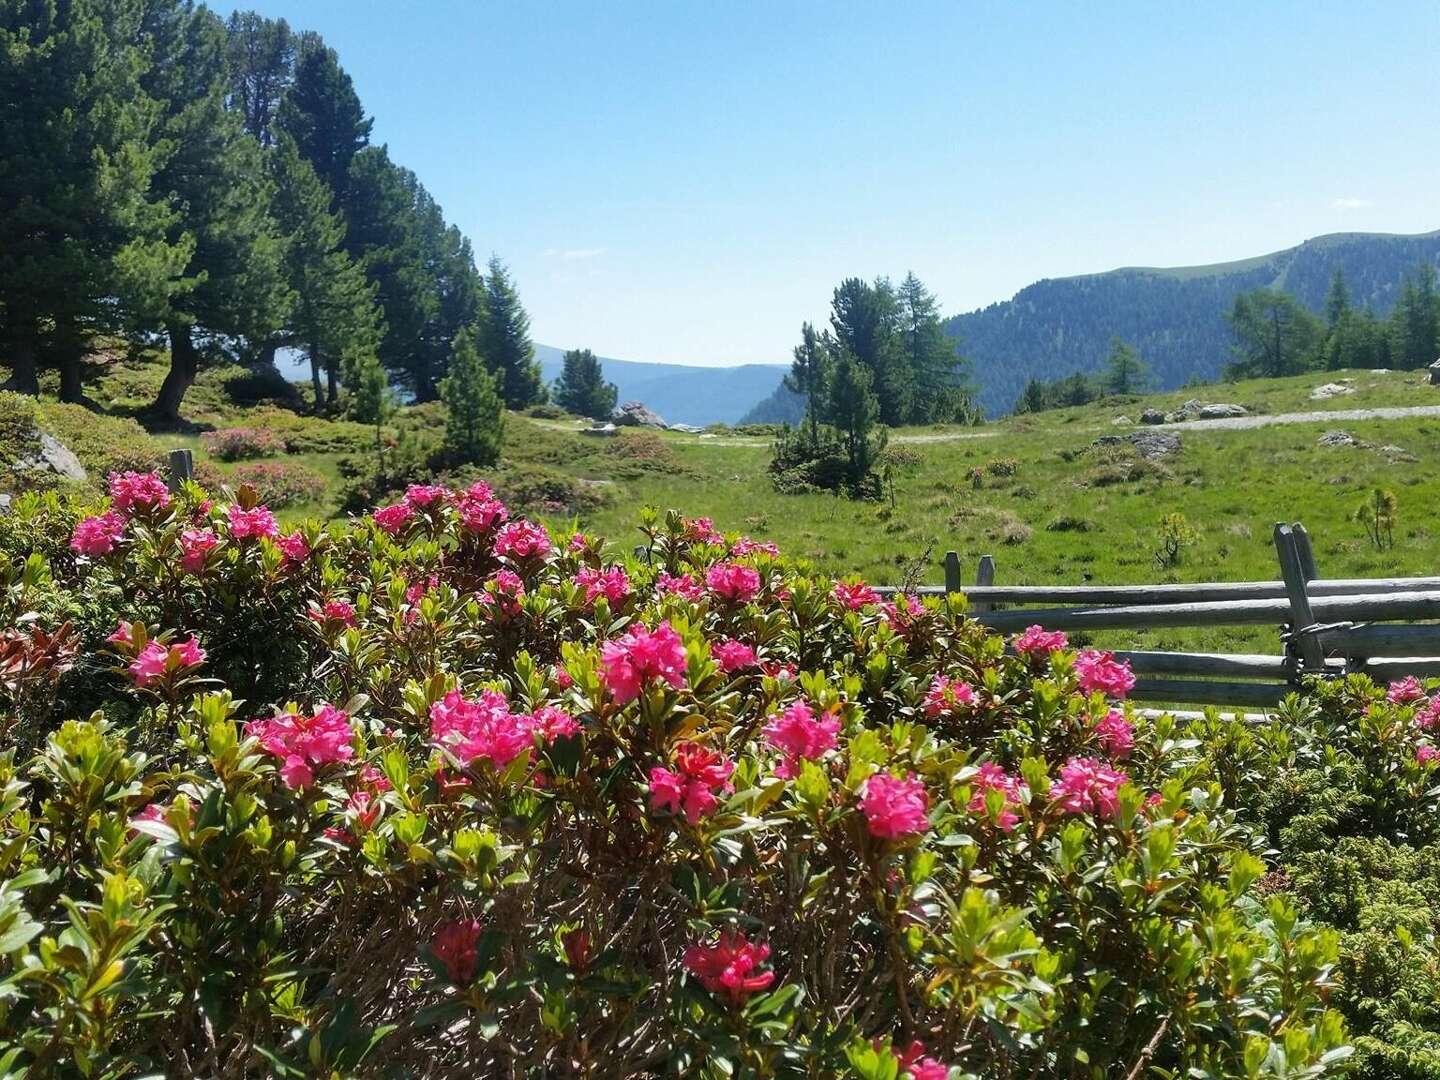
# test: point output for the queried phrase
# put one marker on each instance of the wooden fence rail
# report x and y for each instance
(1327, 628)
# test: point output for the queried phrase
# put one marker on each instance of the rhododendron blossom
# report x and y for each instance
(258, 522)
(746, 546)
(294, 547)
(419, 496)
(894, 807)
(132, 491)
(1425, 754)
(1037, 642)
(681, 585)
(522, 540)
(1115, 734)
(642, 656)
(335, 611)
(730, 967)
(156, 659)
(915, 1065)
(991, 777)
(455, 945)
(151, 812)
(855, 595)
(702, 531)
(195, 548)
(553, 722)
(798, 733)
(97, 536)
(947, 696)
(122, 634)
(612, 584)
(699, 776)
(503, 592)
(733, 655)
(478, 508)
(1100, 671)
(484, 728)
(304, 742)
(392, 519)
(733, 582)
(1427, 716)
(1404, 691)
(1088, 786)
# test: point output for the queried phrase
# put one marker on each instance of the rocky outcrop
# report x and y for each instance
(1222, 411)
(52, 456)
(1332, 389)
(1150, 445)
(637, 414)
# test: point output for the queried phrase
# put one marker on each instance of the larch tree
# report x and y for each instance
(1125, 372)
(1273, 335)
(505, 340)
(941, 390)
(581, 387)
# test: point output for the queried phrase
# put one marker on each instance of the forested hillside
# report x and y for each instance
(1175, 318)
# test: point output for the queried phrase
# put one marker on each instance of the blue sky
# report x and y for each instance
(687, 181)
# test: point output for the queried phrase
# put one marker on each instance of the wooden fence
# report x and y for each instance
(1326, 627)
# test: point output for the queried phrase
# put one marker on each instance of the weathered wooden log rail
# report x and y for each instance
(1327, 627)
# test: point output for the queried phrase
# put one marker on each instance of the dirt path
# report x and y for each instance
(1235, 423)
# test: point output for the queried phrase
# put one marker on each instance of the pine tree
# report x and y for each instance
(1125, 372)
(942, 390)
(854, 410)
(505, 340)
(233, 284)
(1273, 335)
(865, 320)
(807, 376)
(1337, 300)
(84, 236)
(262, 66)
(1415, 322)
(370, 398)
(582, 389)
(321, 111)
(476, 421)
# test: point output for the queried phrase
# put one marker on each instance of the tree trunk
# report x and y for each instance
(184, 363)
(68, 352)
(267, 352)
(332, 386)
(23, 379)
(315, 377)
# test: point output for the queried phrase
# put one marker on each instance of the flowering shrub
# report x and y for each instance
(235, 444)
(434, 787)
(280, 483)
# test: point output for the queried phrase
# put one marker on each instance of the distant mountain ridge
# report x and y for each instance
(1174, 317)
(681, 394)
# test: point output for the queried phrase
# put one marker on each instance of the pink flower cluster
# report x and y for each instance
(733, 582)
(484, 728)
(503, 591)
(746, 546)
(478, 508)
(1427, 716)
(195, 548)
(303, 743)
(1405, 691)
(681, 585)
(294, 546)
(947, 696)
(392, 519)
(917, 1066)
(1115, 734)
(421, 496)
(455, 945)
(799, 734)
(245, 524)
(155, 661)
(613, 584)
(132, 492)
(733, 655)
(522, 540)
(694, 785)
(96, 536)
(1426, 754)
(1036, 643)
(855, 594)
(894, 807)
(335, 613)
(992, 777)
(1088, 786)
(1100, 671)
(702, 531)
(730, 967)
(627, 663)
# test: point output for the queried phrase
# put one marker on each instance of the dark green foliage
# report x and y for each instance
(262, 68)
(505, 340)
(582, 389)
(1125, 372)
(476, 421)
(1274, 336)
(941, 378)
(321, 111)
(1415, 324)
(865, 323)
(1076, 389)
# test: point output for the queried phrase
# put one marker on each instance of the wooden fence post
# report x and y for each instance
(952, 573)
(1312, 652)
(182, 468)
(1307, 553)
(984, 576)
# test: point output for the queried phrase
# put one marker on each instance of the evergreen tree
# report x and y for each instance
(1356, 340)
(1337, 300)
(476, 421)
(322, 113)
(370, 398)
(865, 320)
(262, 67)
(1125, 372)
(854, 410)
(84, 236)
(941, 392)
(1273, 335)
(582, 389)
(233, 284)
(335, 315)
(454, 283)
(1415, 322)
(1033, 398)
(505, 340)
(807, 376)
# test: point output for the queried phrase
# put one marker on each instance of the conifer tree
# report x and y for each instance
(941, 386)
(807, 376)
(262, 67)
(1337, 300)
(1415, 322)
(505, 340)
(865, 321)
(582, 389)
(854, 410)
(1274, 335)
(476, 414)
(321, 111)
(1125, 372)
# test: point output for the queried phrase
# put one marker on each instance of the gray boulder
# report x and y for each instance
(1332, 389)
(1152, 416)
(55, 457)
(1336, 438)
(1222, 411)
(637, 414)
(1150, 445)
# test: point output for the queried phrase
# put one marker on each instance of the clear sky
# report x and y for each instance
(685, 181)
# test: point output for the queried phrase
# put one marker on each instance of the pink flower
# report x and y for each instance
(1404, 691)
(337, 612)
(122, 634)
(393, 519)
(484, 728)
(915, 1065)
(478, 508)
(1425, 754)
(1037, 642)
(303, 742)
(797, 733)
(1116, 734)
(948, 696)
(294, 547)
(746, 546)
(419, 496)
(700, 773)
(733, 582)
(195, 548)
(894, 807)
(702, 531)
(1427, 716)
(855, 595)
(642, 655)
(733, 655)
(503, 591)
(149, 812)
(455, 945)
(257, 522)
(97, 536)
(156, 660)
(522, 539)
(683, 586)
(1088, 786)
(553, 722)
(1101, 671)
(132, 491)
(730, 967)
(776, 669)
(611, 584)
(992, 777)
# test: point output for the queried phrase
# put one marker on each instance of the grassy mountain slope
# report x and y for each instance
(1175, 317)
